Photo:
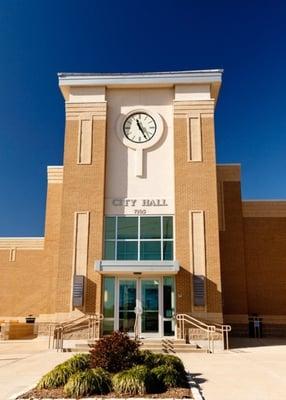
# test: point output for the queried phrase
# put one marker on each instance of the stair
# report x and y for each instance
(198, 334)
(165, 346)
(169, 346)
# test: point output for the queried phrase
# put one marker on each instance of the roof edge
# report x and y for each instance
(170, 77)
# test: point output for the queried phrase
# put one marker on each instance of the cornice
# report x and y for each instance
(22, 243)
(213, 77)
(55, 174)
(264, 208)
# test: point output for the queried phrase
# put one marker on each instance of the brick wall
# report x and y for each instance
(28, 283)
(253, 257)
(83, 190)
(195, 189)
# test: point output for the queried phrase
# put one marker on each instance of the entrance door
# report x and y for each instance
(149, 300)
(127, 304)
(139, 296)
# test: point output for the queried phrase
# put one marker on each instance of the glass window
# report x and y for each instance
(127, 228)
(150, 250)
(110, 227)
(108, 326)
(108, 298)
(127, 250)
(138, 238)
(167, 250)
(109, 250)
(169, 306)
(150, 228)
(168, 227)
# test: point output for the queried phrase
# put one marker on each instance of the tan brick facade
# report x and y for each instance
(196, 189)
(237, 247)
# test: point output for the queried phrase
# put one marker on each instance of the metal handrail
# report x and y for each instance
(184, 319)
(222, 329)
(136, 333)
(211, 329)
(57, 330)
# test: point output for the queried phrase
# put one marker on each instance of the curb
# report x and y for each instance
(196, 392)
(195, 388)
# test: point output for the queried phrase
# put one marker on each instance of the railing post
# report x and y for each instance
(223, 338)
(62, 339)
(50, 330)
(227, 343)
(89, 327)
(57, 339)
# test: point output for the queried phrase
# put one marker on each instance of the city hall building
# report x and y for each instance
(142, 221)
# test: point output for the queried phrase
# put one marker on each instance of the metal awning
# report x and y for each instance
(111, 267)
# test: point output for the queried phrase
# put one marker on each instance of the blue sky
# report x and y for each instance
(39, 38)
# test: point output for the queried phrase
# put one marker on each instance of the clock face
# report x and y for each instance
(139, 127)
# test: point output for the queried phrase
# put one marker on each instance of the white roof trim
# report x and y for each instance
(151, 78)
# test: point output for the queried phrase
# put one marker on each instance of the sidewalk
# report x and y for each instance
(245, 373)
(22, 363)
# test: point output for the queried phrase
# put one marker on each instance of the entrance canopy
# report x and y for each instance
(116, 267)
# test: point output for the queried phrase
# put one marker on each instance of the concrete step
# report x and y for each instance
(156, 346)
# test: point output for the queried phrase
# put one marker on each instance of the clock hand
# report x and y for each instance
(141, 129)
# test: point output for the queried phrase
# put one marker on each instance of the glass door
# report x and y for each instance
(127, 304)
(150, 306)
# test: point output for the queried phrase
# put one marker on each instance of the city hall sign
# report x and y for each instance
(139, 206)
(140, 202)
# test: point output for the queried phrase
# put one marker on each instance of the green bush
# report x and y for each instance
(84, 383)
(169, 377)
(171, 371)
(175, 362)
(153, 360)
(61, 373)
(55, 378)
(115, 353)
(79, 362)
(149, 359)
(136, 381)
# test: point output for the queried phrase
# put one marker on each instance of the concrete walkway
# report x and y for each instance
(23, 362)
(254, 370)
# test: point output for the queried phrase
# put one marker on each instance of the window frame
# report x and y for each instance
(139, 239)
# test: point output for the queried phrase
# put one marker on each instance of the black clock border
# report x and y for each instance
(129, 116)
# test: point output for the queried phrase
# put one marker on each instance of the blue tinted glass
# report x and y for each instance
(150, 228)
(109, 227)
(108, 297)
(150, 251)
(127, 228)
(109, 250)
(167, 250)
(127, 250)
(108, 326)
(168, 227)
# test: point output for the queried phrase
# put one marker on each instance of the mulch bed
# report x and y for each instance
(178, 393)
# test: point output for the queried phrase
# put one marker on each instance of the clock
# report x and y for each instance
(139, 127)
(140, 130)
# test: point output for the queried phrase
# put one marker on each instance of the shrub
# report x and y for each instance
(55, 378)
(168, 376)
(78, 362)
(175, 362)
(61, 373)
(173, 372)
(84, 383)
(153, 360)
(115, 353)
(135, 381)
(149, 359)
